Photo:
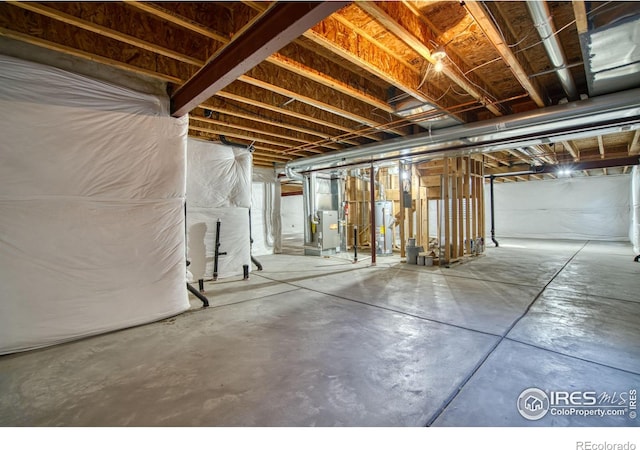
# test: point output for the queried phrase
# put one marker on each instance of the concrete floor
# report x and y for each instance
(322, 341)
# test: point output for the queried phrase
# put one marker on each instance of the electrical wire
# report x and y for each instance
(541, 41)
(489, 95)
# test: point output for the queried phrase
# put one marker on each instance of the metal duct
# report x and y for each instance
(573, 120)
(542, 20)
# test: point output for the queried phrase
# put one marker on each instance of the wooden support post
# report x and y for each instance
(424, 217)
(446, 205)
(476, 201)
(467, 192)
(454, 207)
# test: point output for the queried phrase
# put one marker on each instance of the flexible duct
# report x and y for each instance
(542, 20)
(582, 118)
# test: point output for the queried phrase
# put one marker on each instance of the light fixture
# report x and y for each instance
(564, 172)
(439, 55)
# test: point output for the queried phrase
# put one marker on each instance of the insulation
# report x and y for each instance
(218, 188)
(92, 180)
(634, 232)
(265, 212)
(293, 215)
(595, 208)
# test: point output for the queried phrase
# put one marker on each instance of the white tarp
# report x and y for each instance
(265, 212)
(595, 208)
(634, 232)
(218, 188)
(292, 214)
(92, 180)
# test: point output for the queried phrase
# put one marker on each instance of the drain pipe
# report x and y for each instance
(372, 191)
(493, 220)
(543, 22)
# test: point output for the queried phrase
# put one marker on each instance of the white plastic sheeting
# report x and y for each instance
(218, 188)
(634, 232)
(292, 213)
(92, 180)
(265, 212)
(595, 208)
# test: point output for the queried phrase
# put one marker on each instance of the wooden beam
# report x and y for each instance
(513, 169)
(183, 22)
(278, 25)
(336, 81)
(601, 147)
(332, 82)
(104, 31)
(399, 20)
(634, 145)
(125, 38)
(229, 131)
(338, 35)
(518, 155)
(575, 153)
(580, 13)
(86, 55)
(239, 93)
(494, 35)
(306, 135)
(288, 84)
(235, 124)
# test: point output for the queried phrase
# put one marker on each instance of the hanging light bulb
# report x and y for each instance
(439, 55)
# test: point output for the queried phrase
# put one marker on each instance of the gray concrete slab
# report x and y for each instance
(490, 397)
(290, 268)
(528, 261)
(488, 307)
(594, 271)
(231, 290)
(595, 328)
(298, 358)
(323, 341)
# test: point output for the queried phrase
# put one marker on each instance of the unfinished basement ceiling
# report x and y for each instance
(366, 73)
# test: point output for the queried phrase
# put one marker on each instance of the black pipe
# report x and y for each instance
(256, 262)
(201, 285)
(493, 223)
(194, 291)
(245, 271)
(355, 244)
(217, 252)
(253, 259)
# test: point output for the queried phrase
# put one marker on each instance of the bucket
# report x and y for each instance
(428, 260)
(412, 254)
(411, 242)
(420, 260)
